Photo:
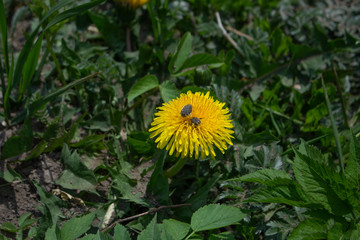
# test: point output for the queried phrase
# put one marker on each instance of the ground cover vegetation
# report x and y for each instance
(115, 119)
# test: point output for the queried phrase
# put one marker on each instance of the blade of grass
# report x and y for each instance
(29, 43)
(338, 87)
(51, 96)
(30, 67)
(72, 12)
(8, 90)
(298, 122)
(274, 123)
(311, 141)
(3, 30)
(333, 125)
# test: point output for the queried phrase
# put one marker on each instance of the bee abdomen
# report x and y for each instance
(196, 121)
(186, 110)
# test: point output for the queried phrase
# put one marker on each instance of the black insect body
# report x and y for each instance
(196, 121)
(186, 110)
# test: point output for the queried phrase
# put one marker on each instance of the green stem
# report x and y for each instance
(56, 61)
(192, 233)
(153, 21)
(334, 128)
(175, 168)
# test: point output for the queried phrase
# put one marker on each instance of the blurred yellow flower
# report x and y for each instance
(194, 122)
(132, 3)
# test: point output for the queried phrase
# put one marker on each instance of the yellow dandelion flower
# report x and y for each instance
(132, 3)
(193, 122)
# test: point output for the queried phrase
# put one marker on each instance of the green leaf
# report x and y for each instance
(200, 198)
(3, 30)
(120, 232)
(193, 89)
(77, 175)
(17, 145)
(176, 229)
(121, 183)
(9, 227)
(158, 185)
(72, 12)
(76, 227)
(268, 177)
(141, 143)
(9, 174)
(88, 141)
(309, 229)
(23, 56)
(353, 164)
(168, 91)
(111, 32)
(321, 183)
(38, 104)
(291, 195)
(215, 216)
(30, 66)
(52, 233)
(143, 85)
(66, 137)
(200, 59)
(23, 218)
(151, 232)
(181, 54)
(279, 43)
(259, 138)
(51, 203)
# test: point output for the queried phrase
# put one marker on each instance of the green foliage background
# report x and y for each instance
(90, 75)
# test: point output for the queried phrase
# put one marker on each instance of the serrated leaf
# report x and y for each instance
(181, 53)
(120, 232)
(76, 227)
(121, 183)
(268, 177)
(215, 216)
(309, 229)
(168, 91)
(321, 183)
(151, 232)
(291, 195)
(352, 167)
(176, 229)
(143, 85)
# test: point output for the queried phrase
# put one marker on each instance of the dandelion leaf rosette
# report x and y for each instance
(192, 131)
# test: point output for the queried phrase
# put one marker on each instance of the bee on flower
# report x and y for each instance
(191, 125)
